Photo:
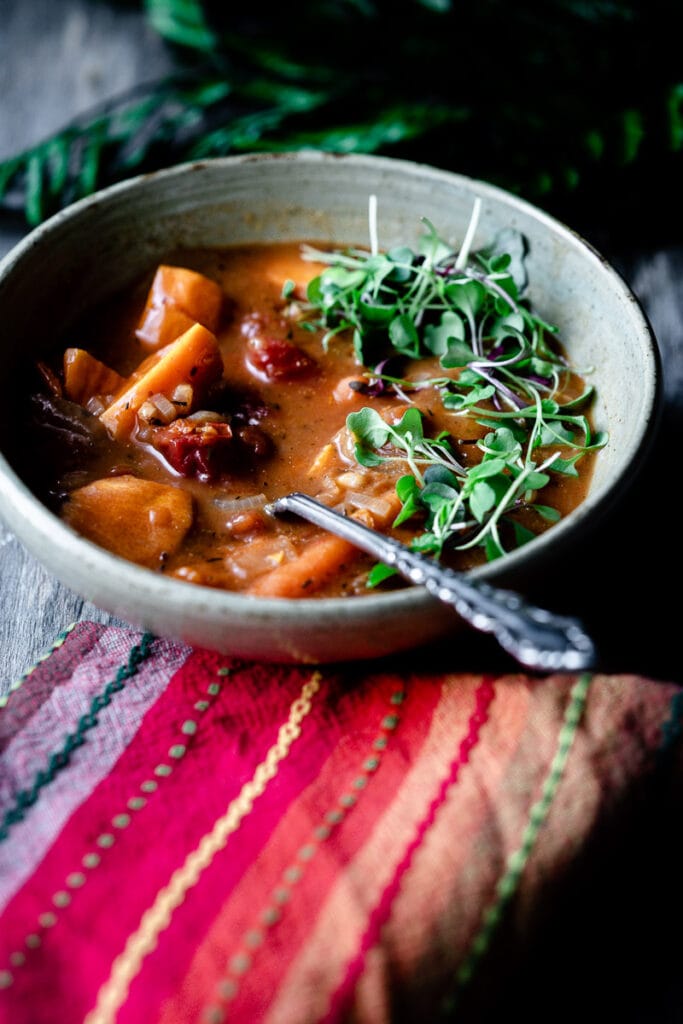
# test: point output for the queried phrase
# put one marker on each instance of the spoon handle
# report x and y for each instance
(535, 637)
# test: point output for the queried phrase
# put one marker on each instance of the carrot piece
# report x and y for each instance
(194, 358)
(321, 560)
(178, 297)
(136, 519)
(85, 377)
(317, 565)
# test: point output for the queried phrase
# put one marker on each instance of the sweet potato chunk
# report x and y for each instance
(283, 267)
(136, 519)
(194, 358)
(85, 377)
(177, 299)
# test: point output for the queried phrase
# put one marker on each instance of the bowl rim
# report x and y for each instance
(29, 518)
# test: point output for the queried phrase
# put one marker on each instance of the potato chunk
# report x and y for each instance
(194, 358)
(136, 519)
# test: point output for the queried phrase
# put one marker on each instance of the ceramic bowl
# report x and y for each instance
(101, 244)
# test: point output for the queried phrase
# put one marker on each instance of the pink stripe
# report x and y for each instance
(343, 995)
(45, 678)
(30, 839)
(44, 733)
(231, 738)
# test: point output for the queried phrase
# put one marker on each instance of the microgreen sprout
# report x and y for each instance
(502, 368)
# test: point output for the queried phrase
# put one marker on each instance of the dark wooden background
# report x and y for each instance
(60, 57)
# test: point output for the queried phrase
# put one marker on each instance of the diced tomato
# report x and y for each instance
(276, 359)
(207, 451)
(199, 450)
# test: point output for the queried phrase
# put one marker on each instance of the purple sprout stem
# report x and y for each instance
(503, 389)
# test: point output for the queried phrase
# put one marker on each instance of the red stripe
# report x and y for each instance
(272, 960)
(157, 982)
(342, 997)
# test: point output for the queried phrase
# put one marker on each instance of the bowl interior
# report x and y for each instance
(102, 244)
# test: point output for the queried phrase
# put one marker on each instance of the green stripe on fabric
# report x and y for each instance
(57, 643)
(509, 881)
(26, 798)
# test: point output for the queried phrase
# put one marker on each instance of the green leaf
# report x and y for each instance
(375, 313)
(493, 548)
(441, 475)
(487, 468)
(368, 427)
(473, 397)
(379, 573)
(522, 534)
(410, 426)
(566, 466)
(314, 291)
(427, 544)
(547, 512)
(469, 296)
(482, 499)
(336, 279)
(403, 258)
(358, 346)
(438, 338)
(366, 457)
(409, 493)
(502, 441)
(404, 336)
(511, 244)
(507, 324)
(555, 433)
(457, 354)
(535, 480)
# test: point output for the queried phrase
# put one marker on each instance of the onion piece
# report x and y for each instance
(205, 416)
(166, 409)
(147, 411)
(95, 405)
(233, 505)
(183, 395)
(351, 479)
(378, 506)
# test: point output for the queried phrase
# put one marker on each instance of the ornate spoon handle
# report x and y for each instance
(535, 637)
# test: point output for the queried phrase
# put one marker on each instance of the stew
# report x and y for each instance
(229, 377)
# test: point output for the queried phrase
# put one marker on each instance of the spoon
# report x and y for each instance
(535, 637)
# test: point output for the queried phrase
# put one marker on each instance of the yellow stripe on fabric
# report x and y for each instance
(509, 880)
(29, 672)
(125, 968)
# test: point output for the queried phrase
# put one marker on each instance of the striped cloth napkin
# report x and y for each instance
(188, 837)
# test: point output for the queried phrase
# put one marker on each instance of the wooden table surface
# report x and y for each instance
(57, 60)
